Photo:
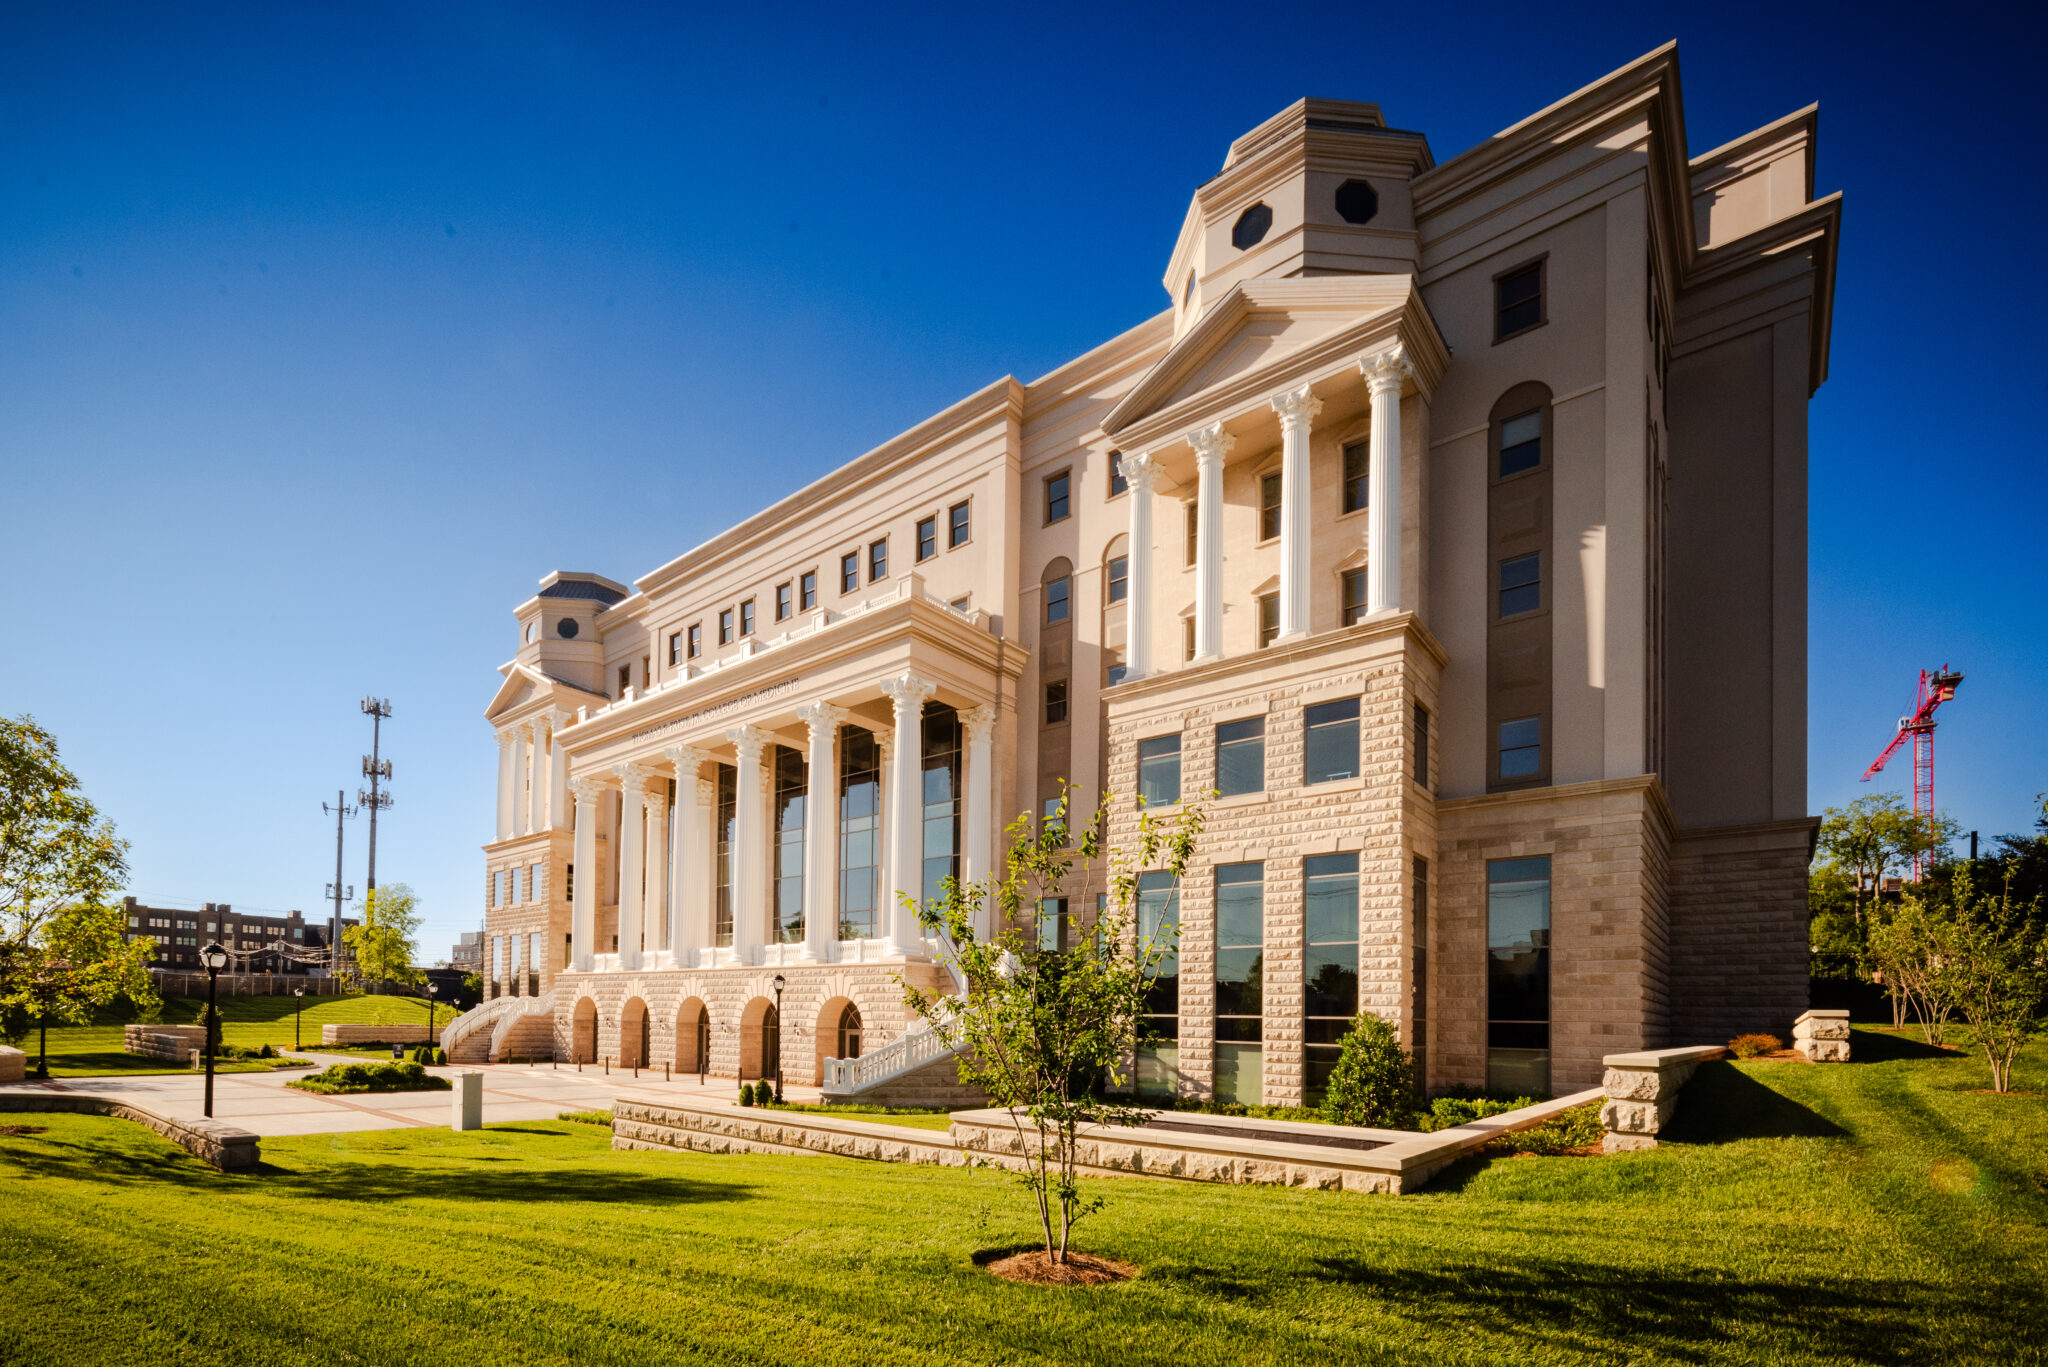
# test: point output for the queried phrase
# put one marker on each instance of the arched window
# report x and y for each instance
(849, 1032)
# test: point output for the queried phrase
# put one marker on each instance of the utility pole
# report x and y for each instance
(376, 769)
(341, 810)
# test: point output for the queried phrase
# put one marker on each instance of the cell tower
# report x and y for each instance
(340, 811)
(377, 769)
(1936, 687)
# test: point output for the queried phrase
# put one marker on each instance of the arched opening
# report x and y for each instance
(634, 1035)
(838, 1034)
(583, 1033)
(758, 1040)
(693, 1038)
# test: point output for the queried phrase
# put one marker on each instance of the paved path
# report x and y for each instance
(261, 1101)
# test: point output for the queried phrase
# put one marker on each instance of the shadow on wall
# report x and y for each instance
(1722, 1104)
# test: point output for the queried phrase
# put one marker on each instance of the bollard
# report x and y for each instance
(467, 1107)
(664, 1070)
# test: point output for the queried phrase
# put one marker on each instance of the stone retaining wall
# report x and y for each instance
(721, 1129)
(13, 1064)
(1642, 1093)
(172, 1042)
(1823, 1036)
(381, 1034)
(226, 1147)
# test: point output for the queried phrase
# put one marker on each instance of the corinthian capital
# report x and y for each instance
(633, 777)
(1297, 408)
(823, 718)
(587, 790)
(747, 740)
(1141, 471)
(1211, 444)
(1387, 369)
(908, 692)
(687, 759)
(979, 722)
(505, 737)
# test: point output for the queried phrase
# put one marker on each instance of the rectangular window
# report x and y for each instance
(1187, 633)
(1052, 821)
(1052, 924)
(1518, 300)
(1419, 979)
(1269, 507)
(959, 531)
(1193, 530)
(1119, 578)
(1330, 901)
(1058, 593)
(1056, 702)
(849, 572)
(939, 779)
(625, 680)
(1269, 619)
(675, 648)
(1057, 503)
(497, 889)
(927, 538)
(785, 601)
(747, 618)
(860, 810)
(807, 590)
(725, 627)
(1521, 443)
(792, 787)
(1357, 476)
(1521, 748)
(1422, 745)
(1518, 976)
(1240, 963)
(1241, 756)
(723, 835)
(1330, 741)
(878, 560)
(1353, 585)
(533, 888)
(1159, 933)
(1521, 584)
(1159, 771)
(696, 639)
(1117, 483)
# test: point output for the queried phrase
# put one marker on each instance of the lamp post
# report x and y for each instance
(432, 990)
(215, 958)
(778, 1038)
(298, 1013)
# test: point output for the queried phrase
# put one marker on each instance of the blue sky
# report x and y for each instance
(326, 331)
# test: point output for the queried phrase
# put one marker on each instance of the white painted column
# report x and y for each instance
(686, 865)
(558, 773)
(1211, 445)
(655, 915)
(906, 826)
(978, 808)
(1297, 409)
(583, 896)
(503, 830)
(1141, 473)
(632, 861)
(516, 824)
(1384, 374)
(536, 811)
(885, 825)
(749, 854)
(821, 829)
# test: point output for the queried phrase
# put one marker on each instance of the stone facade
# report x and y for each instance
(1642, 1090)
(1739, 942)
(1823, 1036)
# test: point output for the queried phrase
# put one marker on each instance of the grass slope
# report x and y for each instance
(95, 1050)
(1873, 1212)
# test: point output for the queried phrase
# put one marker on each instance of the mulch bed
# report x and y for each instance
(21, 1129)
(1080, 1269)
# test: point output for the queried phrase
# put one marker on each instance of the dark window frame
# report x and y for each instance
(1059, 506)
(694, 640)
(675, 649)
(960, 524)
(927, 539)
(1056, 702)
(1350, 611)
(727, 623)
(748, 617)
(1360, 482)
(1118, 484)
(1270, 513)
(1269, 618)
(1541, 265)
(1237, 736)
(785, 600)
(1117, 574)
(849, 573)
(807, 590)
(1502, 588)
(1059, 589)
(878, 560)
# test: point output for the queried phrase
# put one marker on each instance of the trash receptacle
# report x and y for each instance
(467, 1107)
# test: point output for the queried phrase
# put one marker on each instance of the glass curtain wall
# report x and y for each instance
(1518, 976)
(940, 775)
(1159, 927)
(1330, 890)
(723, 835)
(860, 832)
(792, 785)
(1240, 996)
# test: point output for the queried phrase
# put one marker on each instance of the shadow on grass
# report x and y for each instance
(1723, 1103)
(1871, 1046)
(1684, 1311)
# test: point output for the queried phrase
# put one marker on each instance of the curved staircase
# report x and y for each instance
(503, 1027)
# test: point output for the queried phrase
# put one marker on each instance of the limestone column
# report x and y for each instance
(884, 825)
(978, 808)
(503, 829)
(632, 861)
(533, 777)
(1211, 445)
(558, 773)
(821, 829)
(698, 898)
(656, 922)
(906, 866)
(589, 792)
(1141, 473)
(1297, 409)
(686, 867)
(516, 818)
(1384, 374)
(749, 856)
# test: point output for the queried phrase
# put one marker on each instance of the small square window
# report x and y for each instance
(1159, 771)
(878, 560)
(1330, 741)
(1352, 583)
(927, 538)
(1518, 300)
(1521, 585)
(1269, 618)
(1058, 595)
(1241, 757)
(849, 572)
(725, 627)
(747, 618)
(1119, 578)
(696, 639)
(1269, 507)
(675, 648)
(1056, 497)
(785, 601)
(1357, 476)
(807, 590)
(1117, 483)
(959, 531)
(1521, 748)
(1056, 702)
(1521, 443)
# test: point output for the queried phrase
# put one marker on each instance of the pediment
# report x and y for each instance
(527, 690)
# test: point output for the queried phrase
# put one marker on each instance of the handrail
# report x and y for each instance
(906, 1053)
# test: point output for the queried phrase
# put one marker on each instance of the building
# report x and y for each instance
(263, 943)
(1448, 524)
(468, 954)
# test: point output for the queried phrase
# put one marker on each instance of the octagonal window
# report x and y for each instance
(1356, 202)
(1252, 227)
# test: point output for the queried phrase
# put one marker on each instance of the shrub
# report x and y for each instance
(346, 1078)
(1374, 1080)
(588, 1117)
(1449, 1112)
(746, 1094)
(1577, 1128)
(1750, 1046)
(440, 1057)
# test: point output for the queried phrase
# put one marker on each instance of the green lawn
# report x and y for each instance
(1876, 1212)
(95, 1050)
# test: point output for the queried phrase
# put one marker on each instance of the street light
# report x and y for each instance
(215, 958)
(778, 1038)
(433, 989)
(298, 1013)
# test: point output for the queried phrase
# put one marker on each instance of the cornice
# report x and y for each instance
(547, 688)
(1127, 347)
(1650, 786)
(1399, 624)
(1818, 224)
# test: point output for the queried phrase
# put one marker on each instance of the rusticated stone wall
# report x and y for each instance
(1739, 933)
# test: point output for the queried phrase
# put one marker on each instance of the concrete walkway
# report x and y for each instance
(261, 1101)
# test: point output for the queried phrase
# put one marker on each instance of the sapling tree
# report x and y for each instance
(1049, 1033)
(384, 946)
(1998, 970)
(1911, 950)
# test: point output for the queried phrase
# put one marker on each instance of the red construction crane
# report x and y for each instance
(1936, 688)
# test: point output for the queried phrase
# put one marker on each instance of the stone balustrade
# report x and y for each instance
(1642, 1093)
(1823, 1036)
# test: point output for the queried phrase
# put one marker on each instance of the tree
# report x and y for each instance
(61, 948)
(1046, 1032)
(1373, 1082)
(382, 948)
(1876, 834)
(1998, 972)
(1912, 952)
